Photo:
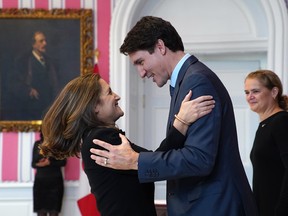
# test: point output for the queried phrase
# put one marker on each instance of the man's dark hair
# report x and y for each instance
(145, 34)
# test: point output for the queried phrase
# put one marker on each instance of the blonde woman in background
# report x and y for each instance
(269, 155)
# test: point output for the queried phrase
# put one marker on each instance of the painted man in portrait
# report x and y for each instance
(36, 81)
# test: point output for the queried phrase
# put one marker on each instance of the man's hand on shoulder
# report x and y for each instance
(121, 157)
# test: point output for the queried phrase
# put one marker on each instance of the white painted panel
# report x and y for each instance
(57, 4)
(25, 156)
(88, 4)
(246, 128)
(157, 101)
(26, 4)
(160, 190)
(84, 187)
(160, 117)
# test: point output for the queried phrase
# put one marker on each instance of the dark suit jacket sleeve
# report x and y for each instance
(197, 157)
(174, 140)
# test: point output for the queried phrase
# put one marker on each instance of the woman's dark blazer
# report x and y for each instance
(119, 192)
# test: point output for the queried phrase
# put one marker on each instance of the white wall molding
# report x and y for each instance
(277, 16)
(228, 46)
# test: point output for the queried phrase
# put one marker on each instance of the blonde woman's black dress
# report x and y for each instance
(269, 158)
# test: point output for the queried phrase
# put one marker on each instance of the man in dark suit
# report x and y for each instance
(35, 81)
(205, 177)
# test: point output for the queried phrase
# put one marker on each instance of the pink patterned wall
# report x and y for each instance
(103, 28)
(12, 143)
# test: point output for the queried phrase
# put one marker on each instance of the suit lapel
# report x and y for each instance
(191, 60)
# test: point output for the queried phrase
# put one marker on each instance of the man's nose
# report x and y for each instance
(142, 72)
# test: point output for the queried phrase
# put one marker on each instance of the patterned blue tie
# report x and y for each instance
(171, 90)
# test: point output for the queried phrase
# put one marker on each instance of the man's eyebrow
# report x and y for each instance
(138, 61)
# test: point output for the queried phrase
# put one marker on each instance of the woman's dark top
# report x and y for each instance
(118, 192)
(269, 158)
(48, 187)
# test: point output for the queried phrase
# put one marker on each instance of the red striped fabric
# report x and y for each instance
(10, 3)
(103, 34)
(42, 4)
(37, 136)
(9, 157)
(72, 169)
(72, 4)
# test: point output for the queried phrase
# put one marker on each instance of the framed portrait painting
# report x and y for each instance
(40, 52)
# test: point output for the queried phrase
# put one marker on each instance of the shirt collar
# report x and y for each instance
(176, 70)
(36, 55)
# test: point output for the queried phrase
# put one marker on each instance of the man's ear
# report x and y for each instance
(161, 46)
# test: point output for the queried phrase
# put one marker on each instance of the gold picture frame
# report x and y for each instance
(70, 35)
